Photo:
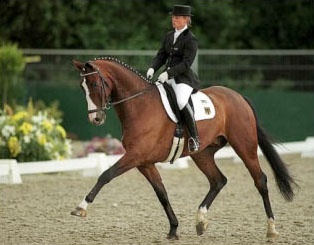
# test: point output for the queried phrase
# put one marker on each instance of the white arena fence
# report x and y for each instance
(95, 163)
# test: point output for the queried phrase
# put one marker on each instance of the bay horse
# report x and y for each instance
(148, 133)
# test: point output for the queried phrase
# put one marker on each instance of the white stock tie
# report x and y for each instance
(176, 34)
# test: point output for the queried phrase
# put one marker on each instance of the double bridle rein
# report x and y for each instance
(105, 105)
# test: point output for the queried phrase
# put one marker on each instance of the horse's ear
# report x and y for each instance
(79, 65)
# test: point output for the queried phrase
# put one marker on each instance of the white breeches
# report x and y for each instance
(182, 91)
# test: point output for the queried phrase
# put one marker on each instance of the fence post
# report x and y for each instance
(10, 171)
(14, 173)
(310, 151)
(98, 161)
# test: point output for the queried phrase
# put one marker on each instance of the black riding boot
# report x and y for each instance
(188, 116)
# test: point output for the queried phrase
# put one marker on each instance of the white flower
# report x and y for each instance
(68, 147)
(37, 131)
(48, 146)
(8, 131)
(39, 117)
(26, 139)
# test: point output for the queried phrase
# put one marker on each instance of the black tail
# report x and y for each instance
(280, 170)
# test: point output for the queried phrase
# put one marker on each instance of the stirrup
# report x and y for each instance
(193, 144)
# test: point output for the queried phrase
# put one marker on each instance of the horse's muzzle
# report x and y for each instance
(98, 121)
(97, 118)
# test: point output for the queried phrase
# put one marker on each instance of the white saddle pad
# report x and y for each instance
(203, 106)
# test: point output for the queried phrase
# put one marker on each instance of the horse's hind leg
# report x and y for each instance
(206, 163)
(260, 180)
(248, 153)
(152, 175)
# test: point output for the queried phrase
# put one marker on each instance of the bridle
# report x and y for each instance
(105, 105)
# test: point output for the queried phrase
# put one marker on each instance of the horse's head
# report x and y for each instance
(96, 89)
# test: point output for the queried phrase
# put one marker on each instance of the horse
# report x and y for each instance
(148, 132)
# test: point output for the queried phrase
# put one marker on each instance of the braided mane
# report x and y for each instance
(130, 68)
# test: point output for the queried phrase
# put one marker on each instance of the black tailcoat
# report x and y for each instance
(178, 57)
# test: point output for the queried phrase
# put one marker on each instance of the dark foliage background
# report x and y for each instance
(140, 24)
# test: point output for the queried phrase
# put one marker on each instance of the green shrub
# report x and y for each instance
(12, 64)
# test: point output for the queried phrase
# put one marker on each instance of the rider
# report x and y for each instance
(177, 53)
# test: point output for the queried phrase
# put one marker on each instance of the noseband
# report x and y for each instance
(105, 105)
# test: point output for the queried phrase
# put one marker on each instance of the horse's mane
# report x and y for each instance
(130, 68)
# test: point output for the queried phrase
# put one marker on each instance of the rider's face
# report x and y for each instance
(178, 22)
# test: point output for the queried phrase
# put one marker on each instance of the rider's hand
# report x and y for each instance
(163, 77)
(150, 73)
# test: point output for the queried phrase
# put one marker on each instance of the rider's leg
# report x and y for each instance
(183, 93)
(188, 115)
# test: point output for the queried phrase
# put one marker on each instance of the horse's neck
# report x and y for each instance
(126, 82)
(131, 90)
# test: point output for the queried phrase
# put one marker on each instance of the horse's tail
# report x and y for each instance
(283, 178)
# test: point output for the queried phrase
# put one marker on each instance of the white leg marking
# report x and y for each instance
(271, 230)
(200, 217)
(83, 204)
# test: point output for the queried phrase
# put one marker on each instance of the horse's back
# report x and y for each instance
(220, 91)
(226, 96)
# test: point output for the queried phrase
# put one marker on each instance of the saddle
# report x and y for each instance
(200, 103)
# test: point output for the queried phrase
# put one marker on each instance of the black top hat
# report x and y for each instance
(181, 10)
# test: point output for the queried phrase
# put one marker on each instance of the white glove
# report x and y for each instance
(163, 77)
(150, 73)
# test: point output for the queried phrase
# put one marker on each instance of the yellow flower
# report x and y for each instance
(19, 115)
(47, 125)
(26, 128)
(41, 139)
(61, 130)
(14, 146)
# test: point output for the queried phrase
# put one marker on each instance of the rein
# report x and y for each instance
(108, 103)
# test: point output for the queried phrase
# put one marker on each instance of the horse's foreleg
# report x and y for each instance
(114, 171)
(217, 180)
(152, 175)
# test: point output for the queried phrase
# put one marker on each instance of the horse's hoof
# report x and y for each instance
(80, 212)
(201, 227)
(272, 234)
(172, 237)
(271, 230)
